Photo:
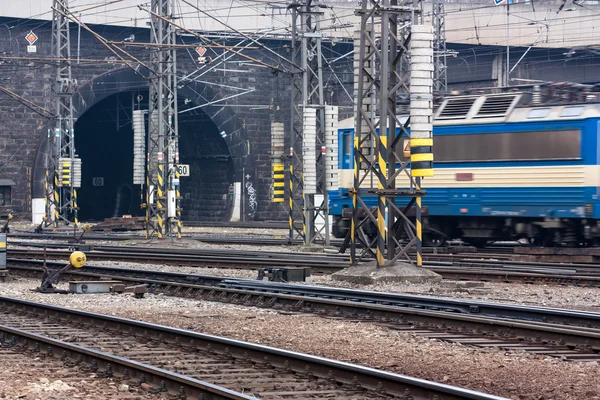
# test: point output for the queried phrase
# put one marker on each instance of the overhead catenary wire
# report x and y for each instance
(243, 34)
(104, 42)
(32, 106)
(215, 43)
(540, 35)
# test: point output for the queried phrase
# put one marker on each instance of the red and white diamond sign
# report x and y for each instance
(31, 38)
(201, 50)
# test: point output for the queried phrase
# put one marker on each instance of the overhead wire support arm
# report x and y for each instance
(32, 106)
(104, 42)
(262, 46)
(182, 46)
(215, 44)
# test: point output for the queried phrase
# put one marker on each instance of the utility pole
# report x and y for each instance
(307, 178)
(440, 51)
(63, 170)
(163, 211)
(507, 73)
(379, 152)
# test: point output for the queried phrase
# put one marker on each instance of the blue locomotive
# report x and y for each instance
(508, 166)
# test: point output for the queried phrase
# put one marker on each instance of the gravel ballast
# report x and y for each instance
(27, 377)
(572, 297)
(510, 374)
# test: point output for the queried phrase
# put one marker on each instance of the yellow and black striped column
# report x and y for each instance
(178, 202)
(421, 157)
(160, 191)
(147, 197)
(291, 204)
(381, 199)
(46, 198)
(56, 197)
(75, 209)
(354, 223)
(421, 164)
(278, 183)
(419, 225)
(304, 241)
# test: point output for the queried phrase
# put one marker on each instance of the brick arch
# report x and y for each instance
(92, 91)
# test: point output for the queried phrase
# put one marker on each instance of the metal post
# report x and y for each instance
(419, 225)
(163, 153)
(440, 76)
(307, 92)
(62, 174)
(386, 164)
(508, 43)
(421, 110)
(294, 178)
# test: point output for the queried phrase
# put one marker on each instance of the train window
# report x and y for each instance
(508, 146)
(538, 113)
(572, 111)
(348, 143)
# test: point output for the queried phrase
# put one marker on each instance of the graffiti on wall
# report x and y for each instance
(252, 200)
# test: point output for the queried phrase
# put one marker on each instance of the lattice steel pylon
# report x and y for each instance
(440, 51)
(163, 211)
(378, 151)
(63, 173)
(306, 166)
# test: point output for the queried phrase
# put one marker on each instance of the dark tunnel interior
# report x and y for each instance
(104, 135)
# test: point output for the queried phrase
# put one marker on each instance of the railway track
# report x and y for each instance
(47, 373)
(467, 266)
(250, 240)
(208, 258)
(194, 365)
(570, 335)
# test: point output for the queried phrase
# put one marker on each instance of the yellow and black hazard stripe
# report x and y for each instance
(354, 222)
(75, 209)
(65, 173)
(159, 206)
(56, 197)
(278, 183)
(419, 225)
(147, 204)
(381, 200)
(291, 204)
(421, 157)
(178, 203)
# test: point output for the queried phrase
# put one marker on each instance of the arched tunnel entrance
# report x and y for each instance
(104, 142)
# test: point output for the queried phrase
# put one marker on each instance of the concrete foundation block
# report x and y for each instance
(368, 274)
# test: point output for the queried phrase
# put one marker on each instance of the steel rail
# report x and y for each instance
(559, 316)
(251, 261)
(318, 264)
(110, 365)
(354, 302)
(263, 241)
(354, 377)
(461, 258)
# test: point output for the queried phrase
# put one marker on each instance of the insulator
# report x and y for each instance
(139, 147)
(421, 100)
(331, 147)
(69, 170)
(309, 151)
